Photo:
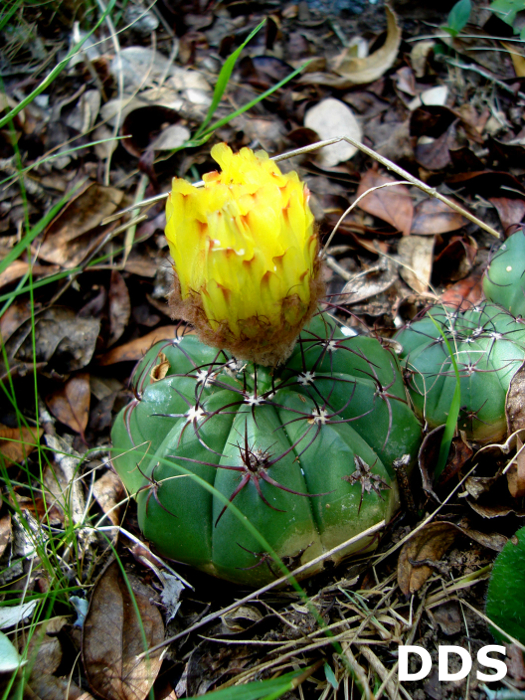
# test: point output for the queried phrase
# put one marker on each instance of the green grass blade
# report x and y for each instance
(50, 77)
(224, 77)
(250, 104)
(455, 405)
(263, 690)
(10, 12)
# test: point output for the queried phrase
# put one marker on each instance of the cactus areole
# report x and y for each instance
(305, 451)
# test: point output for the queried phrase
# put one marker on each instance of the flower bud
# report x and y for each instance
(246, 256)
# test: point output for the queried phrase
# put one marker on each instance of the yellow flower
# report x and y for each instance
(245, 255)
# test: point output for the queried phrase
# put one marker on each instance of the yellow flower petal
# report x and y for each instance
(245, 254)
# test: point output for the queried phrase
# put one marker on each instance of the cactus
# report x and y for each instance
(304, 450)
(489, 347)
(504, 279)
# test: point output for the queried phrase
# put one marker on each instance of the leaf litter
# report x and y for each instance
(446, 109)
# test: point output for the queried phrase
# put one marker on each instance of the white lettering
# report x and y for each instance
(443, 672)
(498, 664)
(403, 652)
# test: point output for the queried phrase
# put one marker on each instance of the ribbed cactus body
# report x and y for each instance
(504, 280)
(304, 451)
(489, 347)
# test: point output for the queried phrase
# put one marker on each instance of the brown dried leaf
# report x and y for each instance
(5, 532)
(516, 472)
(44, 649)
(47, 687)
(18, 269)
(109, 490)
(60, 337)
(71, 403)
(17, 443)
(369, 283)
(17, 314)
(113, 639)
(136, 349)
(415, 253)
(510, 211)
(428, 545)
(432, 216)
(75, 232)
(392, 204)
(436, 155)
(463, 294)
(366, 70)
(119, 306)
(515, 401)
(448, 617)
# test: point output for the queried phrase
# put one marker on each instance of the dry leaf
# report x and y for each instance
(515, 401)
(18, 269)
(5, 532)
(330, 118)
(119, 306)
(136, 349)
(71, 403)
(366, 70)
(47, 687)
(428, 545)
(464, 294)
(392, 204)
(17, 443)
(518, 59)
(432, 216)
(415, 254)
(113, 639)
(109, 490)
(75, 232)
(516, 472)
(510, 211)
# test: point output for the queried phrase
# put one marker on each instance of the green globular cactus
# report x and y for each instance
(304, 450)
(504, 279)
(489, 347)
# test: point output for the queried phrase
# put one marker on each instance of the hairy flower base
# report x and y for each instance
(262, 342)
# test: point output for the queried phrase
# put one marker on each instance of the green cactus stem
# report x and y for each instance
(489, 347)
(504, 279)
(304, 451)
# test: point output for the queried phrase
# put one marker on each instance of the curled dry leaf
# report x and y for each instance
(392, 204)
(331, 118)
(426, 547)
(515, 401)
(109, 491)
(16, 444)
(432, 216)
(366, 70)
(119, 306)
(71, 403)
(516, 472)
(5, 532)
(113, 639)
(510, 211)
(136, 349)
(415, 254)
